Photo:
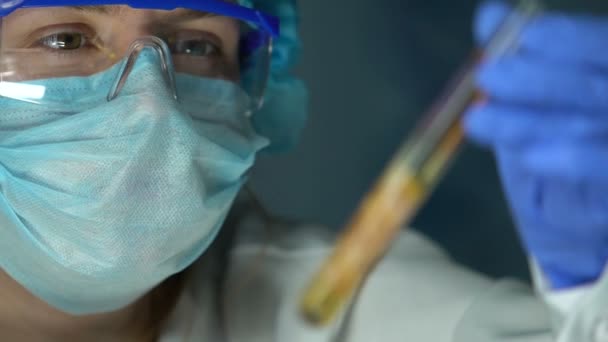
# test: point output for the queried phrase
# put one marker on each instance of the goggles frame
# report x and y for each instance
(264, 21)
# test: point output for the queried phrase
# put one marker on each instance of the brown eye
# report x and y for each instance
(200, 48)
(64, 41)
(194, 43)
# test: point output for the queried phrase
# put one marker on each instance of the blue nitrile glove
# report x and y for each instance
(546, 120)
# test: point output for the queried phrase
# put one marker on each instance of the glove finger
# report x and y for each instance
(552, 201)
(579, 39)
(526, 80)
(496, 124)
(556, 36)
(488, 17)
(568, 161)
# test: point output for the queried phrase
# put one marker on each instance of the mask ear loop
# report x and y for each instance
(166, 64)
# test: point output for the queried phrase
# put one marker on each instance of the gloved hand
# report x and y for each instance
(546, 120)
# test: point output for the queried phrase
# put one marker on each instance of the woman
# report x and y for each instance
(127, 131)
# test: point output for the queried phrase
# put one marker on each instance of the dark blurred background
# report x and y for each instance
(373, 67)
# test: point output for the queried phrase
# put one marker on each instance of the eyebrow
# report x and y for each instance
(180, 14)
(97, 9)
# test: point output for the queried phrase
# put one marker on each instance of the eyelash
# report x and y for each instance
(209, 48)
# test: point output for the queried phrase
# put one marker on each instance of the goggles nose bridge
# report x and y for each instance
(166, 64)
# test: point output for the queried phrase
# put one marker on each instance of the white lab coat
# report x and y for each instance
(416, 294)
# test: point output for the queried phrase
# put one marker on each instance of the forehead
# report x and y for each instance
(118, 9)
(114, 11)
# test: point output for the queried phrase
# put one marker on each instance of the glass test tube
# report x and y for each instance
(404, 186)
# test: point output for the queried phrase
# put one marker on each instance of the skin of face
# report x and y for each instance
(80, 41)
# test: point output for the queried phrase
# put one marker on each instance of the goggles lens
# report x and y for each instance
(80, 41)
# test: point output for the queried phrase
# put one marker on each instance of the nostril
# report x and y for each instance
(135, 50)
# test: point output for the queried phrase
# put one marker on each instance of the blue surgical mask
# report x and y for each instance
(102, 202)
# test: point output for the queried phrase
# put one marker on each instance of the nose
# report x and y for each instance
(166, 63)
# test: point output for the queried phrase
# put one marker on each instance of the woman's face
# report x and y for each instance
(80, 41)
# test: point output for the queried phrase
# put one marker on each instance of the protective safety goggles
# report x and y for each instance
(216, 39)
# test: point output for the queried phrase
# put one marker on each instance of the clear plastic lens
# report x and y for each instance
(56, 42)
